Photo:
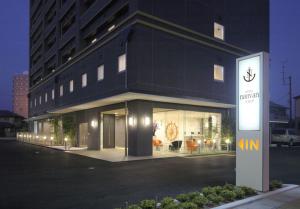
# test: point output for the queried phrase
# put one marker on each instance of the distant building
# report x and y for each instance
(20, 91)
(297, 113)
(278, 114)
(10, 123)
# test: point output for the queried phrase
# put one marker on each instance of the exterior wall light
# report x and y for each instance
(147, 121)
(131, 121)
(94, 123)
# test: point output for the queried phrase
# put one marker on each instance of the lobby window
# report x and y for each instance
(218, 73)
(71, 86)
(100, 73)
(122, 63)
(219, 31)
(53, 94)
(84, 80)
(61, 90)
(46, 97)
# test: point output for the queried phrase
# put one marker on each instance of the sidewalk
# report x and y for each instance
(285, 200)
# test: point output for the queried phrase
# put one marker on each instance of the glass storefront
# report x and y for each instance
(186, 132)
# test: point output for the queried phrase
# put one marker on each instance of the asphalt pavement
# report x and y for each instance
(33, 177)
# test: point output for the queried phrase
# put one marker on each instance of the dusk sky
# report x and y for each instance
(285, 33)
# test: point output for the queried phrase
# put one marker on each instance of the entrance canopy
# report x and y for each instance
(139, 96)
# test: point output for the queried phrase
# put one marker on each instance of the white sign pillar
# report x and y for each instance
(252, 116)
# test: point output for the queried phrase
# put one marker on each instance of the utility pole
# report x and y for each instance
(290, 89)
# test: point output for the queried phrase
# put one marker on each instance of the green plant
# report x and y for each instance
(275, 184)
(200, 201)
(229, 187)
(56, 126)
(228, 195)
(218, 189)
(215, 199)
(188, 205)
(168, 203)
(134, 207)
(193, 195)
(183, 197)
(248, 191)
(208, 190)
(148, 204)
(69, 129)
(227, 128)
(240, 194)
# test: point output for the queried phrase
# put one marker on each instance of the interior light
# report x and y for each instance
(214, 141)
(111, 27)
(131, 121)
(199, 141)
(94, 40)
(66, 139)
(227, 141)
(45, 137)
(51, 138)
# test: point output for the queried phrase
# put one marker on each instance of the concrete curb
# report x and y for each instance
(286, 187)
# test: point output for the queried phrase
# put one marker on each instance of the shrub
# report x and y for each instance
(168, 203)
(134, 207)
(228, 187)
(148, 204)
(188, 205)
(193, 195)
(228, 195)
(248, 191)
(200, 201)
(240, 194)
(215, 199)
(275, 184)
(208, 190)
(183, 197)
(218, 189)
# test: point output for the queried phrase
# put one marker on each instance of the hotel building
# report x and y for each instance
(141, 76)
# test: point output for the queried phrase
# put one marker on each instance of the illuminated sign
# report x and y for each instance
(252, 124)
(249, 94)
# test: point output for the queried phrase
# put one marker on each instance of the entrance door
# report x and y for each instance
(108, 131)
(83, 134)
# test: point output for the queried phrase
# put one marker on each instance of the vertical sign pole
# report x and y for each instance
(252, 116)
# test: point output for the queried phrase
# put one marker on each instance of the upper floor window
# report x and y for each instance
(122, 63)
(71, 86)
(35, 102)
(218, 73)
(46, 97)
(61, 90)
(100, 73)
(84, 80)
(219, 31)
(40, 100)
(53, 94)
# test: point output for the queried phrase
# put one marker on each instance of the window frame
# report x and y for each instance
(100, 67)
(119, 64)
(84, 80)
(71, 86)
(217, 24)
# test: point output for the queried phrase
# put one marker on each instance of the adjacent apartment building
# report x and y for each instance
(141, 76)
(20, 94)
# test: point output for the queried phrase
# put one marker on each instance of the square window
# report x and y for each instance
(100, 73)
(218, 31)
(84, 80)
(218, 73)
(61, 90)
(122, 63)
(53, 94)
(71, 86)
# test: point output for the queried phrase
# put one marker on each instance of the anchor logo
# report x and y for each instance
(250, 76)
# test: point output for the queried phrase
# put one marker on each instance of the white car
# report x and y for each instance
(285, 136)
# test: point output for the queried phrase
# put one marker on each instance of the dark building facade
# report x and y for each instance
(10, 123)
(136, 74)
